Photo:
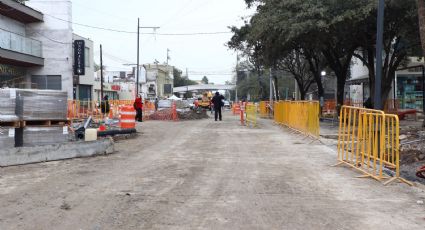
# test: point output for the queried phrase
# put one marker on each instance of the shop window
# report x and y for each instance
(53, 82)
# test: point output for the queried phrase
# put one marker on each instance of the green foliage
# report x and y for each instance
(328, 33)
(181, 81)
(205, 80)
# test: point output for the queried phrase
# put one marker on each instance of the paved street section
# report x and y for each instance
(205, 175)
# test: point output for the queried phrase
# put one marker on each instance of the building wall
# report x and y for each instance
(358, 70)
(56, 36)
(12, 25)
(160, 75)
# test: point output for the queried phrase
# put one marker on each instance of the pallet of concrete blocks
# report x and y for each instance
(7, 137)
(31, 136)
(8, 105)
(38, 105)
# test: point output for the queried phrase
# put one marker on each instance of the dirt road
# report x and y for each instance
(205, 175)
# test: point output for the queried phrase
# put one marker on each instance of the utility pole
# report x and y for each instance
(236, 80)
(187, 77)
(168, 55)
(379, 41)
(271, 87)
(138, 51)
(101, 74)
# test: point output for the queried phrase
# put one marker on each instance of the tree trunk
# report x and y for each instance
(340, 87)
(421, 15)
(276, 87)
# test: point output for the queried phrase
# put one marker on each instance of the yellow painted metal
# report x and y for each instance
(263, 109)
(251, 115)
(301, 116)
(368, 140)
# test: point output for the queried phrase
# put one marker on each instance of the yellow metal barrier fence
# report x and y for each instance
(264, 109)
(251, 115)
(302, 116)
(368, 140)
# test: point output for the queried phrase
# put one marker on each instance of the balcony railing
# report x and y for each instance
(19, 43)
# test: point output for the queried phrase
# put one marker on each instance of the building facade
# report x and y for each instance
(407, 87)
(36, 48)
(20, 51)
(159, 80)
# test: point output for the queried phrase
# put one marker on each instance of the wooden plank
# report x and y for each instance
(45, 123)
(14, 124)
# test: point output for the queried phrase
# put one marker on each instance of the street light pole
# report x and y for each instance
(379, 47)
(271, 88)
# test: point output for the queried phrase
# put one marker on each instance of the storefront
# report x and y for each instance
(409, 91)
(12, 76)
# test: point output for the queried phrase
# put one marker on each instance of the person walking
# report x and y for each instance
(217, 102)
(138, 106)
(156, 104)
(104, 105)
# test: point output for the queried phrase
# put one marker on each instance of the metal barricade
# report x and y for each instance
(263, 109)
(251, 115)
(301, 116)
(368, 141)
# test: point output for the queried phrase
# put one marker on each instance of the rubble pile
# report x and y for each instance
(161, 115)
(412, 151)
(193, 115)
(186, 114)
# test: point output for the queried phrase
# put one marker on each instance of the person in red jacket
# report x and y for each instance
(138, 106)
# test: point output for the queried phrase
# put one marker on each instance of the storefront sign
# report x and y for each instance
(11, 71)
(116, 87)
(79, 67)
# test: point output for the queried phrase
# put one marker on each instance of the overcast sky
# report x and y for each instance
(201, 54)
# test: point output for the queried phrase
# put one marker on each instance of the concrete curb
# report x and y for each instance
(27, 155)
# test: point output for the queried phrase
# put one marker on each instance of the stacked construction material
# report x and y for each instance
(37, 109)
(38, 105)
(39, 135)
(8, 105)
(8, 118)
(7, 137)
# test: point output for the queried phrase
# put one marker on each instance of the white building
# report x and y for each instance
(36, 48)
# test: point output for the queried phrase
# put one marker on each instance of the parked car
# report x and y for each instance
(226, 104)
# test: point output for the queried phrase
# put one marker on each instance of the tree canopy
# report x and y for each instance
(326, 33)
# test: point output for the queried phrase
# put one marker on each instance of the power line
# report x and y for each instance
(190, 34)
(133, 32)
(93, 27)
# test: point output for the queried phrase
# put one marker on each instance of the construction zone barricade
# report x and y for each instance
(127, 117)
(236, 109)
(264, 109)
(368, 141)
(300, 116)
(251, 115)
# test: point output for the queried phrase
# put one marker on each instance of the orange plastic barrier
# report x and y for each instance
(127, 117)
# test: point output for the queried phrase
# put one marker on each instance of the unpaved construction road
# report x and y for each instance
(205, 175)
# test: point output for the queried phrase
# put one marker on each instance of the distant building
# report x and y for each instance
(159, 80)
